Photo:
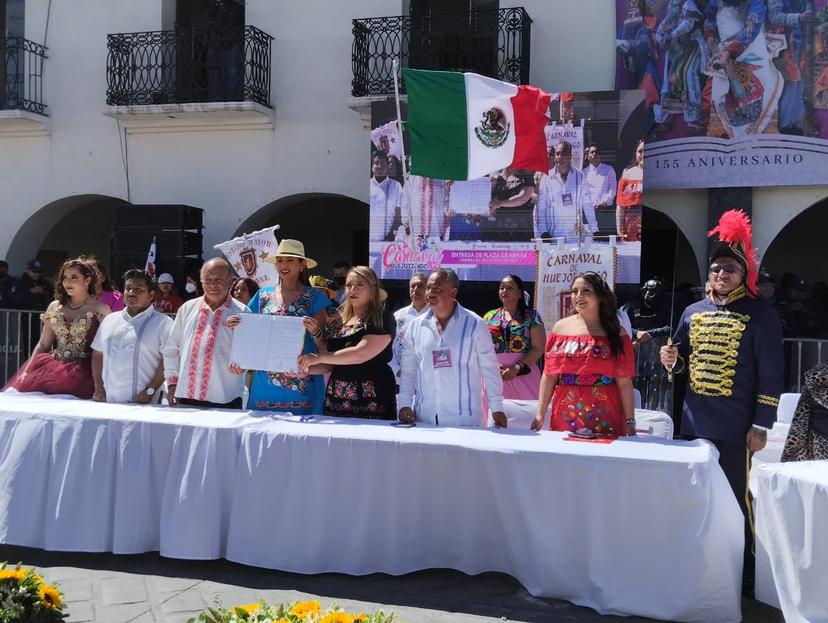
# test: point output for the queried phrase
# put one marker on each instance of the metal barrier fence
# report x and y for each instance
(20, 331)
(802, 354)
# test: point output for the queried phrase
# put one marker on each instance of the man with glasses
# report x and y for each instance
(731, 345)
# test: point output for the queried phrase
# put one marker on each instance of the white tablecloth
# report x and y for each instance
(77, 475)
(792, 522)
(643, 526)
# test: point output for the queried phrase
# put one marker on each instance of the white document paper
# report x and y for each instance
(471, 196)
(266, 342)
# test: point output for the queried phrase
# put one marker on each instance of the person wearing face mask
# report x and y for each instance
(192, 287)
(340, 272)
(731, 345)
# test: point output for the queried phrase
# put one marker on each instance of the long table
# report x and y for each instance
(792, 524)
(640, 526)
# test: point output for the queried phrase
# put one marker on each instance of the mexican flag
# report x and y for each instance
(462, 125)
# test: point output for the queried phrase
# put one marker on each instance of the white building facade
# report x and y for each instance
(298, 158)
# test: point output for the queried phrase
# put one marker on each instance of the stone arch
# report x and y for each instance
(797, 246)
(65, 227)
(661, 234)
(332, 227)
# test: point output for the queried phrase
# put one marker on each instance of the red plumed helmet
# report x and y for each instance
(735, 239)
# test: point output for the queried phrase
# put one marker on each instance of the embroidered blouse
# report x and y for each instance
(513, 335)
(587, 359)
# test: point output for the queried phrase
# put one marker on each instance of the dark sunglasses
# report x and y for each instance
(728, 268)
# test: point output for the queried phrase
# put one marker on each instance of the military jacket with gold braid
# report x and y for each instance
(735, 367)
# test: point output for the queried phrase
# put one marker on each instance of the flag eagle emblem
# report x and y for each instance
(493, 130)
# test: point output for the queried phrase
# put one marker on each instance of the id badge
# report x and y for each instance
(566, 199)
(441, 358)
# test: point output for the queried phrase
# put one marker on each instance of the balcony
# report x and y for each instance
(22, 111)
(186, 79)
(491, 42)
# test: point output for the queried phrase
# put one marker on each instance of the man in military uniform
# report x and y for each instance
(731, 344)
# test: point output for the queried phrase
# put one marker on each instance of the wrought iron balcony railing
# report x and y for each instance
(188, 66)
(492, 42)
(21, 75)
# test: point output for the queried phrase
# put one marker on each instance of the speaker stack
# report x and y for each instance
(178, 233)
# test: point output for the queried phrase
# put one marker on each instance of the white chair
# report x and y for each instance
(637, 398)
(653, 423)
(786, 408)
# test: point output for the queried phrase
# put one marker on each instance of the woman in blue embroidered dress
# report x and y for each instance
(356, 349)
(589, 366)
(300, 393)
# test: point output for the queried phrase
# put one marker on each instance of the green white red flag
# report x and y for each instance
(463, 125)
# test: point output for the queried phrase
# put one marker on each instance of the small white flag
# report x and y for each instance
(150, 265)
(247, 255)
(387, 138)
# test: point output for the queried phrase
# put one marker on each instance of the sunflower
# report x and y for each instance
(50, 596)
(337, 617)
(248, 608)
(13, 574)
(360, 617)
(305, 609)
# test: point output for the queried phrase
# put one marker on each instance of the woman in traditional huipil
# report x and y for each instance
(60, 362)
(629, 198)
(299, 393)
(518, 336)
(589, 366)
(356, 349)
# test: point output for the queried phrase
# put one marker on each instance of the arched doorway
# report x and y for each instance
(332, 227)
(665, 251)
(81, 224)
(799, 247)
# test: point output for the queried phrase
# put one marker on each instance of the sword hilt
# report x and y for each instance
(670, 368)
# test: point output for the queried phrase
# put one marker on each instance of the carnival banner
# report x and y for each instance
(557, 267)
(247, 255)
(573, 134)
(488, 226)
(737, 92)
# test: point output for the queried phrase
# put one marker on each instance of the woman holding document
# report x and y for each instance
(356, 349)
(299, 393)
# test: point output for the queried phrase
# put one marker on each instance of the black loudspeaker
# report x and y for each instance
(177, 233)
(177, 266)
(157, 217)
(126, 241)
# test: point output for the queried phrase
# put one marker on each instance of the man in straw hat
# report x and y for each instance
(197, 354)
(732, 344)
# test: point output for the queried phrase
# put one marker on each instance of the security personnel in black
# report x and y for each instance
(731, 345)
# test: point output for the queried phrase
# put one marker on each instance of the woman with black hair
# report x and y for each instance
(518, 336)
(589, 366)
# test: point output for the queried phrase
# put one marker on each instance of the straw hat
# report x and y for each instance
(292, 248)
(328, 286)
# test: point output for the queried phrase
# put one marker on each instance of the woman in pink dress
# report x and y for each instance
(106, 291)
(518, 336)
(60, 362)
(589, 366)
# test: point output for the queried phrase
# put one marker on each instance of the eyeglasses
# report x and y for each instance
(728, 268)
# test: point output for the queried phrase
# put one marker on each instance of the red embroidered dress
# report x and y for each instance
(586, 395)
